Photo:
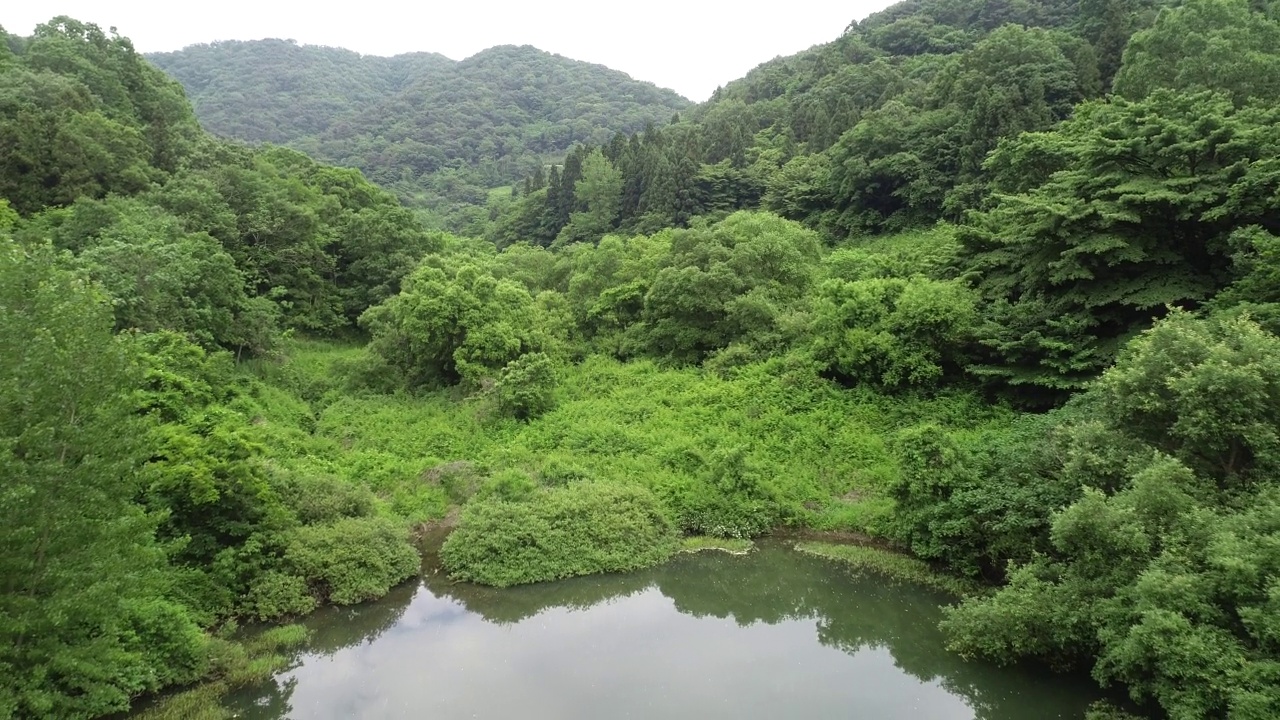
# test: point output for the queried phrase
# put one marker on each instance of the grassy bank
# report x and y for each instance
(733, 546)
(235, 664)
(812, 450)
(896, 566)
(727, 456)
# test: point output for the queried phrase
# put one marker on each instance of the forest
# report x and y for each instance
(996, 284)
(439, 134)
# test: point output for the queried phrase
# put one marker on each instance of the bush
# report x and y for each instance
(892, 332)
(459, 480)
(353, 559)
(526, 388)
(578, 529)
(275, 594)
(731, 499)
(510, 485)
(170, 648)
(323, 498)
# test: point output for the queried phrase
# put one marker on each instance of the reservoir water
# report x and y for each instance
(770, 634)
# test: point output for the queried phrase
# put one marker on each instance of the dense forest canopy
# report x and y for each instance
(438, 132)
(995, 283)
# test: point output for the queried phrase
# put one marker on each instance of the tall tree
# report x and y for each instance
(599, 193)
(84, 624)
(1138, 218)
(1218, 45)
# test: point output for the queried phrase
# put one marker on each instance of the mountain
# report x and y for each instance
(280, 92)
(440, 132)
(884, 128)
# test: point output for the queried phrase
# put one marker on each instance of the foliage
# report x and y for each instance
(976, 501)
(884, 129)
(352, 559)
(234, 665)
(276, 594)
(1138, 218)
(892, 332)
(639, 340)
(526, 386)
(731, 499)
(1165, 580)
(727, 283)
(866, 559)
(1255, 262)
(453, 325)
(440, 132)
(578, 529)
(162, 278)
(87, 620)
(1220, 45)
(1204, 392)
(82, 114)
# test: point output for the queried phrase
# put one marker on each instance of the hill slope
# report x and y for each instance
(440, 132)
(279, 92)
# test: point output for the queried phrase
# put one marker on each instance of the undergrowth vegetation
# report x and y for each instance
(771, 445)
(577, 529)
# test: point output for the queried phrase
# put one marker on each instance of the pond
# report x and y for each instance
(770, 634)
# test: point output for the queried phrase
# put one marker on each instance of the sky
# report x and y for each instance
(689, 46)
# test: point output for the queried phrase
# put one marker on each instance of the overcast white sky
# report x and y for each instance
(689, 46)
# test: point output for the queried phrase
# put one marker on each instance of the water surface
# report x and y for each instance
(773, 634)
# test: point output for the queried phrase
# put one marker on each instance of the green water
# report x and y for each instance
(773, 634)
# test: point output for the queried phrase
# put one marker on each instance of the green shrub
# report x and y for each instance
(556, 471)
(323, 498)
(510, 485)
(526, 387)
(275, 594)
(353, 559)
(169, 646)
(731, 499)
(578, 529)
(892, 332)
(367, 371)
(459, 480)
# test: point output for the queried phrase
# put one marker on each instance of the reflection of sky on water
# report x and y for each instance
(634, 657)
(773, 634)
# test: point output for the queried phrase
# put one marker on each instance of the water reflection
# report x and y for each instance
(705, 635)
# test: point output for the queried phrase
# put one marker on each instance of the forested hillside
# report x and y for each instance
(1020, 123)
(280, 92)
(995, 284)
(438, 132)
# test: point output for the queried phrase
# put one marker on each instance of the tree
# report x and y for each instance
(599, 193)
(1204, 392)
(1161, 576)
(461, 325)
(161, 278)
(893, 168)
(1255, 262)
(1108, 25)
(1137, 218)
(1219, 45)
(727, 283)
(526, 386)
(377, 247)
(892, 332)
(84, 620)
(1015, 80)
